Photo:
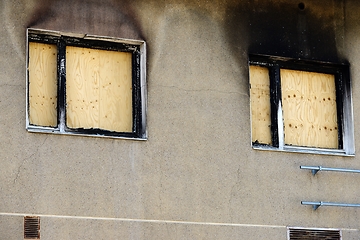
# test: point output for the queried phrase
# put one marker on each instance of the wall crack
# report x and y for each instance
(26, 159)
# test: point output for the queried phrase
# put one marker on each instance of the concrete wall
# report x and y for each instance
(197, 176)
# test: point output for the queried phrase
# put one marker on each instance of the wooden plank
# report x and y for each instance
(260, 104)
(42, 84)
(99, 89)
(82, 87)
(309, 109)
(116, 91)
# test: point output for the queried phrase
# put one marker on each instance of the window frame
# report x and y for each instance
(341, 73)
(61, 40)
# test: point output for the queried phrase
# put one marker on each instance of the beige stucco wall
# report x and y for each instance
(196, 177)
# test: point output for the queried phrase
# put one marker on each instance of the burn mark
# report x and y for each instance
(291, 29)
(113, 18)
(301, 6)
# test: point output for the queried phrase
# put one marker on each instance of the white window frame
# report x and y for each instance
(343, 86)
(138, 50)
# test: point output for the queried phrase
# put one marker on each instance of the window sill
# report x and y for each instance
(35, 129)
(307, 150)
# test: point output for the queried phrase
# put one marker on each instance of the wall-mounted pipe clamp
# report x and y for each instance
(315, 169)
(316, 205)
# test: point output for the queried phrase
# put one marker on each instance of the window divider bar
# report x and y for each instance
(61, 85)
(275, 105)
(315, 169)
(280, 125)
(339, 86)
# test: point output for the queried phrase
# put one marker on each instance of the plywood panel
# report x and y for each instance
(99, 89)
(260, 104)
(82, 87)
(309, 109)
(116, 91)
(42, 84)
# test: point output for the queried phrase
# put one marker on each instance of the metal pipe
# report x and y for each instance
(316, 205)
(315, 169)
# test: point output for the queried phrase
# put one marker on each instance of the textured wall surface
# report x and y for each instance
(197, 176)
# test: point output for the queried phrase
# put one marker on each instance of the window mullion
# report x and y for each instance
(277, 134)
(61, 85)
(339, 106)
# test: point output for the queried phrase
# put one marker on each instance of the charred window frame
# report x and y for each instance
(341, 73)
(61, 41)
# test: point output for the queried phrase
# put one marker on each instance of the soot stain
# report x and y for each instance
(293, 30)
(114, 18)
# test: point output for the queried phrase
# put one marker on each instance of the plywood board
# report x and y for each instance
(309, 109)
(98, 89)
(260, 104)
(116, 91)
(42, 84)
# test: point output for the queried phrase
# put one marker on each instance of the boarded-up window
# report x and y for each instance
(98, 89)
(300, 106)
(86, 86)
(260, 104)
(43, 84)
(309, 109)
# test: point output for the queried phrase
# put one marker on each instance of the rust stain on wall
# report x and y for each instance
(107, 18)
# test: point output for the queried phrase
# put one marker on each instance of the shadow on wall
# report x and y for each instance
(295, 29)
(104, 18)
